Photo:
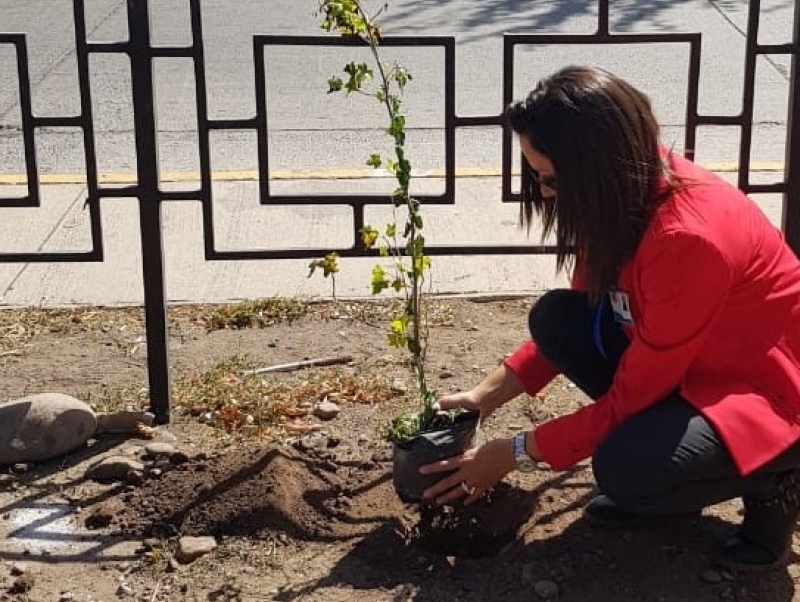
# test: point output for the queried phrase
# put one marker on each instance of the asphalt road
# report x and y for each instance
(330, 136)
(309, 130)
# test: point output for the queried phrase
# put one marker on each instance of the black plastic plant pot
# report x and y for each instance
(428, 447)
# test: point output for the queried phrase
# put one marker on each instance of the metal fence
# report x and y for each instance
(141, 54)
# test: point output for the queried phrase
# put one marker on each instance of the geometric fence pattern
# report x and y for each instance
(141, 54)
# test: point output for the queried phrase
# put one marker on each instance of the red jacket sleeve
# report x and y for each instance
(683, 284)
(528, 364)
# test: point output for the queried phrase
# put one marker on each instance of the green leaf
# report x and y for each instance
(369, 236)
(335, 84)
(379, 280)
(391, 230)
(402, 77)
(329, 265)
(374, 160)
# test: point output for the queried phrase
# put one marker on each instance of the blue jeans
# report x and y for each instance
(666, 459)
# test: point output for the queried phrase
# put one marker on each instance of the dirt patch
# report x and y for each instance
(296, 519)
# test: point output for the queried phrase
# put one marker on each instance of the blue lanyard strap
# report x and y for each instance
(596, 331)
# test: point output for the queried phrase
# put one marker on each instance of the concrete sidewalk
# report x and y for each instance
(61, 224)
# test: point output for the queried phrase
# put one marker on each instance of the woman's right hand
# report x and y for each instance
(465, 400)
(499, 386)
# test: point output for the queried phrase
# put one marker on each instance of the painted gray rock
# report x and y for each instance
(43, 426)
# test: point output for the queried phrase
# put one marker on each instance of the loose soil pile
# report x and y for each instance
(321, 522)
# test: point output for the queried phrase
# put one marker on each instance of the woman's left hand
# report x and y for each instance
(477, 470)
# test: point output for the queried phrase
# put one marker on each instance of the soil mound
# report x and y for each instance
(263, 491)
(310, 496)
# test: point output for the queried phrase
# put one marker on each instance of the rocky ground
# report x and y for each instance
(247, 495)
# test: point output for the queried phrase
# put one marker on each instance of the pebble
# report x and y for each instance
(192, 548)
(399, 386)
(159, 449)
(327, 410)
(66, 596)
(546, 590)
(444, 374)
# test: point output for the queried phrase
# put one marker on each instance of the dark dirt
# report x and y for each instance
(323, 523)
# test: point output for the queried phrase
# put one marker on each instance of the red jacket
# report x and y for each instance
(715, 298)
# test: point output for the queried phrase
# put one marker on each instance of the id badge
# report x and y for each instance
(620, 305)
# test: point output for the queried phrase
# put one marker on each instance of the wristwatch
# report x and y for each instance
(523, 461)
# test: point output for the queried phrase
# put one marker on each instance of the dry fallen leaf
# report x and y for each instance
(143, 431)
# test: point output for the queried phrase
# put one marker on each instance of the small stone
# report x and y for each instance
(159, 449)
(113, 468)
(155, 473)
(66, 596)
(192, 548)
(173, 565)
(20, 468)
(327, 410)
(444, 374)
(312, 441)
(7, 480)
(711, 576)
(399, 386)
(546, 590)
(728, 575)
(123, 421)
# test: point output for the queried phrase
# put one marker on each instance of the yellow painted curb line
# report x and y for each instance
(325, 174)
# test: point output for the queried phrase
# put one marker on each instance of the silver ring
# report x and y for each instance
(466, 488)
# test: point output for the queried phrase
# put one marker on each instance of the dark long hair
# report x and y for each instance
(603, 140)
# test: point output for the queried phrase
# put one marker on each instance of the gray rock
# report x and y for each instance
(399, 386)
(327, 410)
(159, 449)
(113, 468)
(192, 548)
(123, 421)
(43, 426)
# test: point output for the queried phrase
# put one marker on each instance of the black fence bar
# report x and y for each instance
(150, 198)
(87, 118)
(31, 169)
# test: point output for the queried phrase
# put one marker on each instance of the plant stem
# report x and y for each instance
(402, 173)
